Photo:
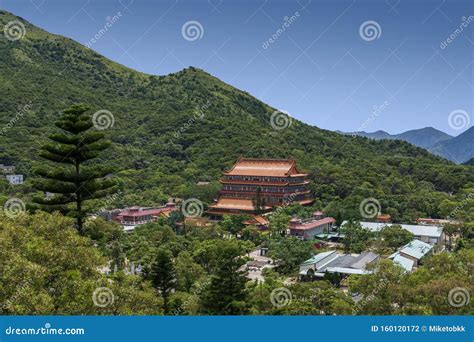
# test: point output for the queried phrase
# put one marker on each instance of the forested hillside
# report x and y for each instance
(172, 131)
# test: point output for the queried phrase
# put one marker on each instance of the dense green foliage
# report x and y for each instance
(48, 269)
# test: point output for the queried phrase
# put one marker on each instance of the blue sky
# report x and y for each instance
(321, 67)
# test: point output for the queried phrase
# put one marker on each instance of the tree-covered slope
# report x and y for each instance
(171, 131)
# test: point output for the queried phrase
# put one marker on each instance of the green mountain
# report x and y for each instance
(171, 131)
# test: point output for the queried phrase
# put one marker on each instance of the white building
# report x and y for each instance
(410, 255)
(429, 234)
(14, 179)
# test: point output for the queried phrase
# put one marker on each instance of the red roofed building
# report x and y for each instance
(279, 181)
(137, 215)
(309, 228)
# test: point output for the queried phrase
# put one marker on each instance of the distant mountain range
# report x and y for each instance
(458, 149)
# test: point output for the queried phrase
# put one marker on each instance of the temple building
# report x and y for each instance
(265, 183)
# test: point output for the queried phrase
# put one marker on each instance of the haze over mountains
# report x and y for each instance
(458, 149)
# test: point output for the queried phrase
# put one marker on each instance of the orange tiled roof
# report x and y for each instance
(233, 203)
(264, 167)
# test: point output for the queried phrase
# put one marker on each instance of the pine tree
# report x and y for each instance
(70, 180)
(163, 276)
(259, 202)
(225, 293)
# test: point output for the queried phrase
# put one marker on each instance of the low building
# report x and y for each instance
(14, 179)
(254, 267)
(307, 229)
(429, 234)
(7, 169)
(258, 221)
(410, 255)
(134, 216)
(333, 262)
(435, 222)
(384, 218)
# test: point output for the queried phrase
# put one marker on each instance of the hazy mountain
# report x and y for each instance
(459, 149)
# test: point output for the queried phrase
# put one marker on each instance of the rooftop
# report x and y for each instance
(416, 248)
(234, 203)
(417, 230)
(264, 167)
(406, 263)
(310, 224)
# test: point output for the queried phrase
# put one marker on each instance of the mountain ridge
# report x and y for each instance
(433, 140)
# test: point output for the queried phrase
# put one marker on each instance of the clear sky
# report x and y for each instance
(320, 65)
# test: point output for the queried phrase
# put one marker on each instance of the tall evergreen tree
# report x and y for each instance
(225, 293)
(164, 276)
(70, 180)
(259, 202)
